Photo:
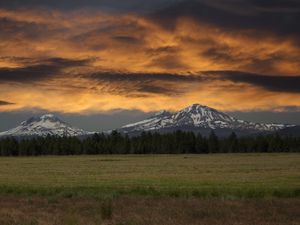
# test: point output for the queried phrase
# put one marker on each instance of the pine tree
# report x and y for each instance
(232, 143)
(213, 143)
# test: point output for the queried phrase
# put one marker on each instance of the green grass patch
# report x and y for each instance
(227, 176)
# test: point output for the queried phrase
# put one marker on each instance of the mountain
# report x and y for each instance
(42, 126)
(199, 118)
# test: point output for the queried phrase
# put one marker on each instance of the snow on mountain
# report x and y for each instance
(197, 116)
(44, 125)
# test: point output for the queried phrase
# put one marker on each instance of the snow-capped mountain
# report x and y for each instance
(198, 118)
(44, 125)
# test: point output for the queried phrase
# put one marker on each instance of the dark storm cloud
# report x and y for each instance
(41, 70)
(5, 103)
(162, 50)
(143, 77)
(219, 54)
(162, 83)
(127, 39)
(123, 5)
(170, 83)
(153, 89)
(100, 38)
(64, 63)
(279, 16)
(11, 29)
(28, 74)
(291, 5)
(235, 15)
(169, 62)
(222, 53)
(277, 83)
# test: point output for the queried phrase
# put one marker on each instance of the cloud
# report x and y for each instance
(277, 83)
(277, 5)
(230, 16)
(138, 84)
(5, 103)
(137, 43)
(163, 50)
(87, 60)
(17, 30)
(41, 70)
(127, 39)
(169, 62)
(143, 77)
(124, 5)
(220, 54)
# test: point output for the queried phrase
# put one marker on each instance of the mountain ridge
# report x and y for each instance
(198, 117)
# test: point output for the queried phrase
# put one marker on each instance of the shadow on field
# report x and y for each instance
(147, 211)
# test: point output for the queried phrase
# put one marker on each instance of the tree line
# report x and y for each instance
(147, 143)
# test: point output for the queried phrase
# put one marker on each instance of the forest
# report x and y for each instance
(147, 143)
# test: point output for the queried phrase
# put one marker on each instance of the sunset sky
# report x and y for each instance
(100, 64)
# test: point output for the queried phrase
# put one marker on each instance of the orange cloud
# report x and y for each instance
(89, 61)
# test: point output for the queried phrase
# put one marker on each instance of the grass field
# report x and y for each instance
(228, 176)
(227, 189)
(148, 211)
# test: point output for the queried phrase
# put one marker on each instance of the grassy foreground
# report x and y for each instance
(229, 189)
(148, 211)
(228, 176)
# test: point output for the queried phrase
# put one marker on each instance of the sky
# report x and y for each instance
(100, 64)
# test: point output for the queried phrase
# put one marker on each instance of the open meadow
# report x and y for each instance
(224, 175)
(151, 189)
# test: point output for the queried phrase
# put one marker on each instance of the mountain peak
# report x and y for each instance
(196, 107)
(44, 125)
(204, 116)
(48, 116)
